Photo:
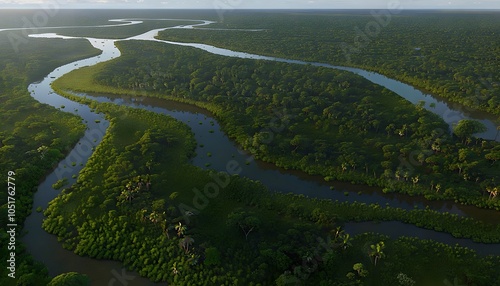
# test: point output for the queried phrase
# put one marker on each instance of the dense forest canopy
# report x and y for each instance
(452, 55)
(138, 200)
(139, 187)
(338, 124)
(228, 87)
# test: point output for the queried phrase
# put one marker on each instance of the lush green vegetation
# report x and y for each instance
(236, 229)
(70, 279)
(326, 122)
(139, 201)
(448, 54)
(456, 225)
(33, 136)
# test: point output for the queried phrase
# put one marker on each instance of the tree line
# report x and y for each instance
(125, 207)
(339, 125)
(450, 55)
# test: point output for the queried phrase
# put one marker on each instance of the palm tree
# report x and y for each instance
(406, 175)
(337, 232)
(128, 195)
(181, 229)
(344, 167)
(186, 242)
(493, 192)
(142, 215)
(155, 217)
(175, 269)
(415, 179)
(438, 187)
(376, 252)
(397, 174)
(402, 131)
(345, 241)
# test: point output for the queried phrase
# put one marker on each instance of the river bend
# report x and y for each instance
(45, 247)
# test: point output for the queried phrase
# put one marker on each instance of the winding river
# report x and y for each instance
(45, 247)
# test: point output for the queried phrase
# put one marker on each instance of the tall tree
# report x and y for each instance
(245, 221)
(376, 252)
(186, 242)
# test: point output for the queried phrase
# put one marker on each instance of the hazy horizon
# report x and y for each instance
(255, 4)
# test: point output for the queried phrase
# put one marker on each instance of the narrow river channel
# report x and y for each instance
(45, 247)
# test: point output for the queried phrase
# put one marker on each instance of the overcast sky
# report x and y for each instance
(256, 4)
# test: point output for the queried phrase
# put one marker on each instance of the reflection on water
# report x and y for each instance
(222, 150)
(45, 247)
(451, 113)
(396, 229)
